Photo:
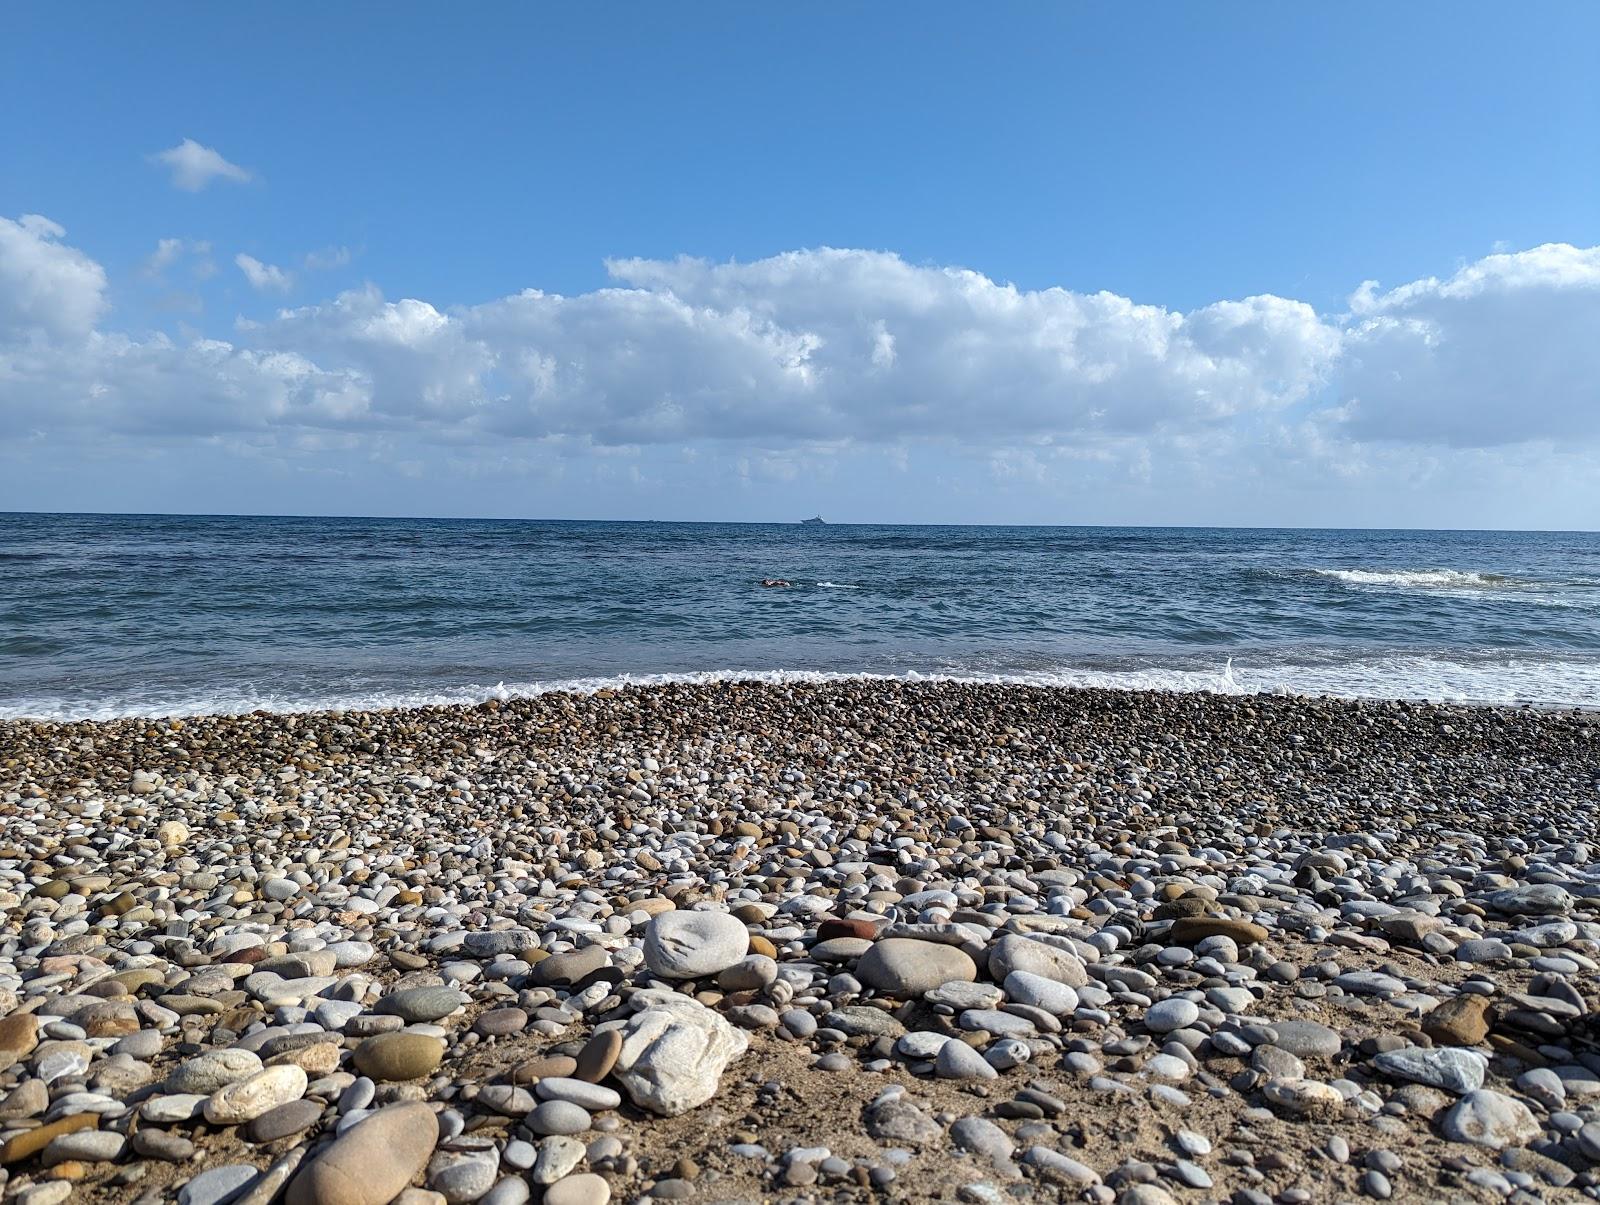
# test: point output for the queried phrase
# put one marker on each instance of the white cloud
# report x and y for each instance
(194, 166)
(326, 259)
(46, 286)
(263, 277)
(795, 360)
(1503, 351)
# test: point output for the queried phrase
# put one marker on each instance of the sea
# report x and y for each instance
(104, 616)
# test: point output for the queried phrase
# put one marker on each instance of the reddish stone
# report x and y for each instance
(837, 927)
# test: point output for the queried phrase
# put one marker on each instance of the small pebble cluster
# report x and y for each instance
(855, 941)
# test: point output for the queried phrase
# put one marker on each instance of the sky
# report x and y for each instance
(1247, 264)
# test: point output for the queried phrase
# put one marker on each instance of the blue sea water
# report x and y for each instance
(114, 615)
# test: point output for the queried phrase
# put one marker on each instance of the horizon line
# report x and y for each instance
(94, 514)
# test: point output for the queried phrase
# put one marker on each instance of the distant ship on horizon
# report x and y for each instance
(813, 522)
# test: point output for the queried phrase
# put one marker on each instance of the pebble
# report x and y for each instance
(457, 931)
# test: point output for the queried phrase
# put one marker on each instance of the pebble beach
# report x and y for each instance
(850, 941)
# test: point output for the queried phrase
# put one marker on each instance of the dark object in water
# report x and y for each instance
(814, 522)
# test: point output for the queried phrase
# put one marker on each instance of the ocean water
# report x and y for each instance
(105, 616)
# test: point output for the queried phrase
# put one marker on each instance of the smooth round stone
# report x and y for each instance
(957, 1060)
(217, 1184)
(372, 1161)
(248, 1099)
(684, 944)
(1024, 987)
(1015, 952)
(559, 1117)
(398, 1056)
(417, 1005)
(206, 1073)
(294, 1117)
(901, 966)
(543, 1065)
(507, 1099)
(558, 1155)
(501, 1022)
(1170, 1014)
(585, 1188)
(1487, 1118)
(840, 949)
(1307, 1039)
(599, 1055)
(750, 973)
(462, 1178)
(86, 1146)
(586, 1095)
(174, 1107)
(511, 1190)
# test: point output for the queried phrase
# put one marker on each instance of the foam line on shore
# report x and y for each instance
(1489, 681)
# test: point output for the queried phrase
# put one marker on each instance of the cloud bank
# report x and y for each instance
(825, 349)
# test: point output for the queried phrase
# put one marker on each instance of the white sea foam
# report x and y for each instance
(1569, 681)
(1427, 579)
(837, 586)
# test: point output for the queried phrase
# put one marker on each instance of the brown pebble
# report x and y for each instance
(599, 1055)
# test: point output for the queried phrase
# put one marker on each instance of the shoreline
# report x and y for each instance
(468, 698)
(931, 940)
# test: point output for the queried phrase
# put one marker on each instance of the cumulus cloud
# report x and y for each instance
(811, 352)
(1503, 351)
(193, 166)
(265, 278)
(46, 287)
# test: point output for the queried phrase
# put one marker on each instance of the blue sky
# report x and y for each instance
(1047, 222)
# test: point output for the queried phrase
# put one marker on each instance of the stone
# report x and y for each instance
(1014, 952)
(582, 1093)
(1534, 899)
(84, 1146)
(1304, 1097)
(674, 1051)
(684, 944)
(585, 1188)
(1448, 1067)
(1460, 1021)
(218, 1185)
(31, 1142)
(416, 1005)
(980, 1136)
(293, 1117)
(206, 1073)
(957, 1060)
(372, 1161)
(1484, 1117)
(237, 1103)
(463, 1177)
(557, 1156)
(398, 1056)
(558, 1117)
(1172, 1013)
(1191, 930)
(1307, 1039)
(901, 966)
(599, 1056)
(1024, 987)
(896, 1119)
(19, 1034)
(570, 966)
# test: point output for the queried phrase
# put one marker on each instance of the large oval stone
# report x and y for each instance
(902, 966)
(372, 1162)
(689, 945)
(398, 1056)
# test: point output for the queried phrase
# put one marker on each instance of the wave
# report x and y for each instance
(1434, 579)
(1449, 678)
(837, 586)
